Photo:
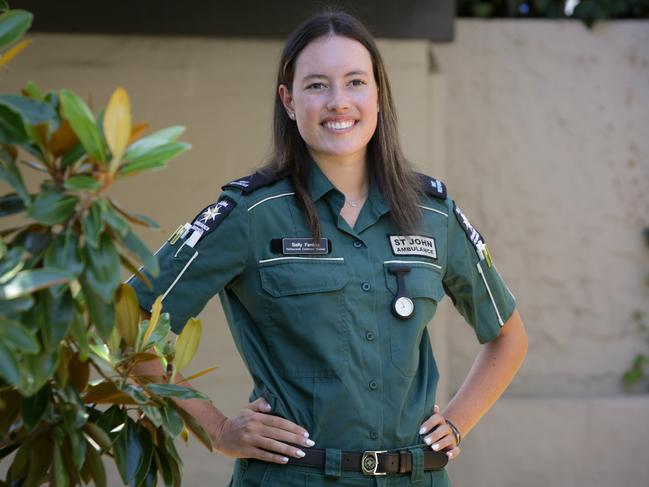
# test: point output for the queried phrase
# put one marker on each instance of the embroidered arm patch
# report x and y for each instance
(205, 222)
(433, 187)
(473, 235)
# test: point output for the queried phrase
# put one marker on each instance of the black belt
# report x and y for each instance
(373, 462)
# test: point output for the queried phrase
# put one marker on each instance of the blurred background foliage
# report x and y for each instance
(589, 11)
(71, 334)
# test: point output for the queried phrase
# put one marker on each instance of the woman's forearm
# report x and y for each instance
(491, 373)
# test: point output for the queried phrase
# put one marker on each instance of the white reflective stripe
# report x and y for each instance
(270, 198)
(180, 274)
(433, 209)
(500, 320)
(412, 262)
(302, 258)
(141, 267)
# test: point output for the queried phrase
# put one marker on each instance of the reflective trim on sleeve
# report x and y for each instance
(500, 320)
(270, 198)
(180, 275)
(433, 209)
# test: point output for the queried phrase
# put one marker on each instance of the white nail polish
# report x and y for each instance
(422, 430)
(300, 453)
(427, 440)
(284, 460)
(306, 434)
(310, 442)
(435, 447)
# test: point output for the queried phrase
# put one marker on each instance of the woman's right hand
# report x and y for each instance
(254, 433)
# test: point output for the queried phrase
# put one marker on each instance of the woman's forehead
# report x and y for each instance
(333, 55)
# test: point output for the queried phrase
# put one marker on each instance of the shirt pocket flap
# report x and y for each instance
(291, 277)
(424, 280)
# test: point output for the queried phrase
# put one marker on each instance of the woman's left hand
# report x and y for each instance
(441, 437)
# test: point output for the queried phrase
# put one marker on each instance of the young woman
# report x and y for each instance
(329, 263)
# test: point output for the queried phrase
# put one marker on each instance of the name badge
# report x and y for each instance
(303, 246)
(413, 245)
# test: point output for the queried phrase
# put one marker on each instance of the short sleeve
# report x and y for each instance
(471, 280)
(198, 261)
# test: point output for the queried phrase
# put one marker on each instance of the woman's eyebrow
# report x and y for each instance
(351, 73)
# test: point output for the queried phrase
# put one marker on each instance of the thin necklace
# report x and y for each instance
(354, 203)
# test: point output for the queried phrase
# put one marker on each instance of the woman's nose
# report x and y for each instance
(337, 100)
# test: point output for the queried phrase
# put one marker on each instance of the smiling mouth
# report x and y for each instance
(340, 126)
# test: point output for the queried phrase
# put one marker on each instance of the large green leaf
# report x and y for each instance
(93, 224)
(79, 332)
(195, 427)
(175, 391)
(155, 158)
(110, 420)
(58, 319)
(10, 173)
(129, 453)
(147, 455)
(38, 368)
(141, 146)
(102, 271)
(12, 129)
(9, 370)
(64, 253)
(13, 25)
(83, 124)
(102, 313)
(14, 335)
(112, 218)
(132, 242)
(52, 207)
(59, 473)
(12, 306)
(82, 183)
(96, 467)
(160, 332)
(31, 111)
(29, 281)
(172, 422)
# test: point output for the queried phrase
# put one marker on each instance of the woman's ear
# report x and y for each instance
(287, 99)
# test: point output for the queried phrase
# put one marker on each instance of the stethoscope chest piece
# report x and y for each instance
(403, 306)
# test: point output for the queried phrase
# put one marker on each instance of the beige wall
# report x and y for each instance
(539, 129)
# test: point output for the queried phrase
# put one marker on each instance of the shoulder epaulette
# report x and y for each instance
(250, 183)
(433, 187)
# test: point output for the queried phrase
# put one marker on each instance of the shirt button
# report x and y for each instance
(373, 434)
(369, 335)
(358, 244)
(373, 384)
(366, 286)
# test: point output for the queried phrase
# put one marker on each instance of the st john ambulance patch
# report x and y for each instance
(210, 218)
(413, 245)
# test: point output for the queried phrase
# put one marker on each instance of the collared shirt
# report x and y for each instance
(317, 330)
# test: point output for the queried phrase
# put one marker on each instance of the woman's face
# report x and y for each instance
(334, 98)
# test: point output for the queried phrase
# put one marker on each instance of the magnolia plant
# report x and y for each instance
(71, 334)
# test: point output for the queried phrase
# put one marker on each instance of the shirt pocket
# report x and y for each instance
(308, 325)
(424, 286)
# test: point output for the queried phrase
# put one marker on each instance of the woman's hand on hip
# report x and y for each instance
(254, 433)
(440, 436)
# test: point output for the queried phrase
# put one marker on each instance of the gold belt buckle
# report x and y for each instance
(370, 462)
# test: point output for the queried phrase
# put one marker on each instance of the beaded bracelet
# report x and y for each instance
(456, 432)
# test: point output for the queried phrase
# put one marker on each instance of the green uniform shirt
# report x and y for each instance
(316, 331)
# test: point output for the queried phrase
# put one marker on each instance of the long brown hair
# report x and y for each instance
(387, 166)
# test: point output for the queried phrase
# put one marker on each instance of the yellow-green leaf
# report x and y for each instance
(117, 125)
(197, 375)
(13, 52)
(153, 321)
(127, 313)
(187, 343)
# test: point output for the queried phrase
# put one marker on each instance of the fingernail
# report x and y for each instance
(435, 447)
(309, 442)
(267, 406)
(422, 430)
(306, 434)
(299, 453)
(427, 440)
(450, 454)
(284, 460)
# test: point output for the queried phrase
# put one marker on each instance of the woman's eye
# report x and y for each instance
(315, 86)
(357, 82)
